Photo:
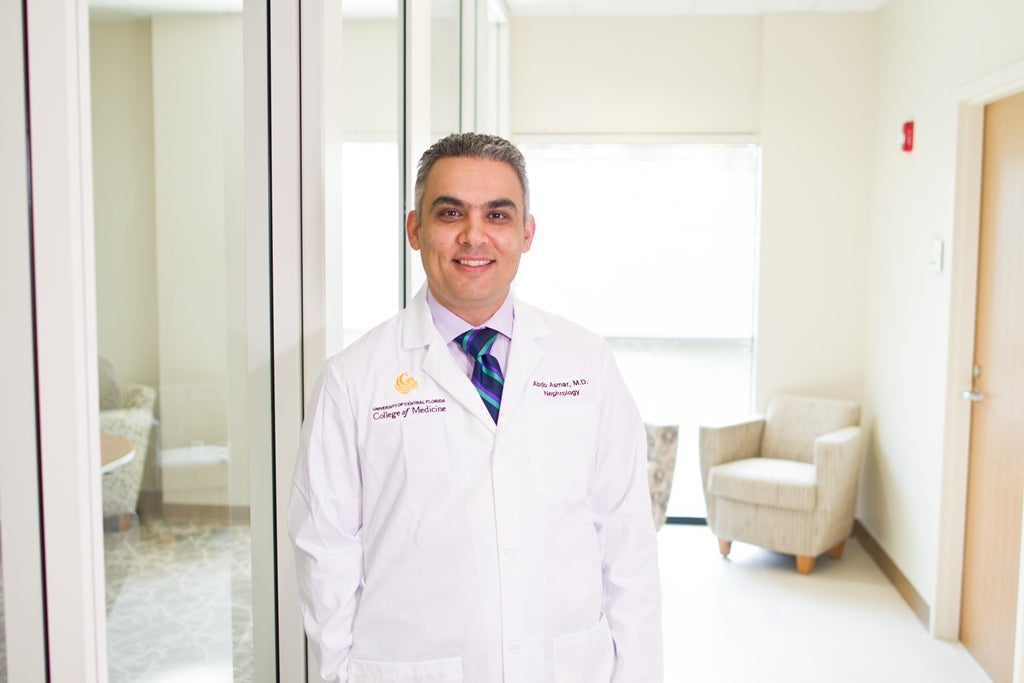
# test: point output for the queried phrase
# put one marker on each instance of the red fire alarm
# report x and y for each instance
(908, 136)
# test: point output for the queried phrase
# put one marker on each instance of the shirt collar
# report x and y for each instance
(451, 326)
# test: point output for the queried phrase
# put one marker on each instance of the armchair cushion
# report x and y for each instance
(766, 481)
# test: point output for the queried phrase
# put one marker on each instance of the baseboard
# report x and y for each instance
(205, 514)
(892, 572)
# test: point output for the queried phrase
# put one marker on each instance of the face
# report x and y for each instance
(471, 232)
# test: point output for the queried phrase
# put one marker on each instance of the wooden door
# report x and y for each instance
(996, 471)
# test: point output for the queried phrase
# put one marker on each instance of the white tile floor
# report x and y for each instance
(750, 618)
(753, 618)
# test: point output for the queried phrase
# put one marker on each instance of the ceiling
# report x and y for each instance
(525, 8)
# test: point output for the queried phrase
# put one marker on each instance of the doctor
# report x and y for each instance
(470, 501)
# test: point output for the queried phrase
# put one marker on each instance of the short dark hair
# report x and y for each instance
(475, 146)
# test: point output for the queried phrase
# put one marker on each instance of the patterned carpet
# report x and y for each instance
(179, 603)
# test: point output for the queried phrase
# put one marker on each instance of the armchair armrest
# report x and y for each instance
(725, 443)
(837, 461)
(138, 396)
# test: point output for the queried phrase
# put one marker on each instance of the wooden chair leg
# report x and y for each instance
(724, 547)
(805, 564)
(836, 551)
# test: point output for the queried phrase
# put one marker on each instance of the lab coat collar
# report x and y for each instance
(525, 352)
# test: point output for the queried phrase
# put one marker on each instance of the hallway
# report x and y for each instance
(753, 618)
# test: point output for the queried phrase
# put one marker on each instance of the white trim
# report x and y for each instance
(314, 22)
(317, 17)
(22, 576)
(468, 67)
(971, 100)
(58, 55)
(414, 99)
(286, 256)
(257, 334)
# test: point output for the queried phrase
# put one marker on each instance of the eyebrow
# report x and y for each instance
(448, 200)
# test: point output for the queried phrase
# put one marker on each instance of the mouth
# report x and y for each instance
(474, 263)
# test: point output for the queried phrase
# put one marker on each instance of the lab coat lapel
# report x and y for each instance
(418, 331)
(525, 353)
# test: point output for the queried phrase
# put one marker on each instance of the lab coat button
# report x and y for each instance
(510, 550)
(498, 453)
(515, 647)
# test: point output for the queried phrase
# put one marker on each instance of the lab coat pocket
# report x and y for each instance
(447, 670)
(585, 656)
(561, 444)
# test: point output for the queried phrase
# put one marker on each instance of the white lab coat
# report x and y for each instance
(432, 545)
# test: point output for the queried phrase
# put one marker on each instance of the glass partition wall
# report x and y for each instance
(171, 293)
(189, 357)
(363, 205)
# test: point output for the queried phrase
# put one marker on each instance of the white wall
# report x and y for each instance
(927, 51)
(168, 198)
(197, 111)
(817, 95)
(804, 84)
(635, 75)
(123, 200)
(122, 117)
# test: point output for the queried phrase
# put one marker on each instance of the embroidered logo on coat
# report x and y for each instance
(405, 383)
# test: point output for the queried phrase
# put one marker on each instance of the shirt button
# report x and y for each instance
(498, 453)
(515, 647)
(510, 550)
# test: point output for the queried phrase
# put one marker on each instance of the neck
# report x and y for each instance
(475, 315)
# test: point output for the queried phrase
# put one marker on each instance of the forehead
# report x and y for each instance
(473, 179)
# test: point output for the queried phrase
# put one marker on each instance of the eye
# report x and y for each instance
(497, 216)
(449, 213)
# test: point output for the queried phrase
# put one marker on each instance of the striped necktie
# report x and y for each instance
(486, 375)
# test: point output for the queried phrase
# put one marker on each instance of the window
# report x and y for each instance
(654, 247)
(368, 244)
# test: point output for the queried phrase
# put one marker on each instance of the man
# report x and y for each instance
(470, 501)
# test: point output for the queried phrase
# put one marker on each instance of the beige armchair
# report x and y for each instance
(134, 421)
(786, 481)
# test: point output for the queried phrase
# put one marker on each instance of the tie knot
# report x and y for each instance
(477, 342)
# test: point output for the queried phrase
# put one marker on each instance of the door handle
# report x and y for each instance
(972, 395)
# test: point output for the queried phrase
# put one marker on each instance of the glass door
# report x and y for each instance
(136, 299)
(177, 367)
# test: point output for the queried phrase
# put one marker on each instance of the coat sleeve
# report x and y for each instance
(625, 527)
(324, 519)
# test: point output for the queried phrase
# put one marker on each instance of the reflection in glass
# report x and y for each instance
(445, 68)
(171, 299)
(363, 218)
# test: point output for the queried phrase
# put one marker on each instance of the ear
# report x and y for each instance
(412, 230)
(528, 229)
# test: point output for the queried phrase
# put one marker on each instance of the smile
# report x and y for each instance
(474, 262)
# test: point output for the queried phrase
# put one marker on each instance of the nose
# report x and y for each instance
(473, 233)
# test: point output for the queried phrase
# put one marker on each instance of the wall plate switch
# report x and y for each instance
(936, 258)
